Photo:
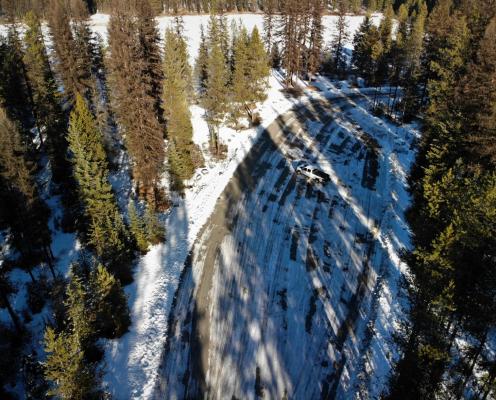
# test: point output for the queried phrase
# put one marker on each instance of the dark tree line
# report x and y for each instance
(447, 351)
(69, 117)
(37, 138)
(20, 7)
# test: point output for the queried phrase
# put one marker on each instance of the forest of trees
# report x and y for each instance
(443, 61)
(206, 6)
(447, 343)
(67, 114)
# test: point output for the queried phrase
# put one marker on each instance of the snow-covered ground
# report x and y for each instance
(304, 293)
(132, 362)
(193, 23)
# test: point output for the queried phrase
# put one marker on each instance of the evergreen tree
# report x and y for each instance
(397, 55)
(223, 39)
(316, 38)
(338, 42)
(478, 100)
(137, 228)
(292, 31)
(413, 52)
(275, 57)
(154, 231)
(269, 24)
(73, 64)
(6, 290)
(361, 47)
(241, 74)
(201, 64)
(176, 90)
(72, 377)
(215, 99)
(14, 86)
(133, 78)
(48, 110)
(51, 121)
(250, 72)
(82, 319)
(150, 54)
(106, 232)
(28, 215)
(111, 310)
(454, 205)
(385, 33)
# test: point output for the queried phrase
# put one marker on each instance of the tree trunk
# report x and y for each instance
(11, 311)
(470, 370)
(30, 272)
(394, 99)
(31, 100)
(49, 259)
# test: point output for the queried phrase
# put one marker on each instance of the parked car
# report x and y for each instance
(313, 173)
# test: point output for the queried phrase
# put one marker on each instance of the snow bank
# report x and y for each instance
(132, 361)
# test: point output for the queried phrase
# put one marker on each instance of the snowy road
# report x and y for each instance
(290, 289)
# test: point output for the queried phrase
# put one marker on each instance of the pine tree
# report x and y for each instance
(215, 99)
(201, 63)
(413, 52)
(223, 39)
(137, 228)
(361, 48)
(385, 33)
(28, 214)
(478, 100)
(111, 311)
(154, 231)
(455, 200)
(73, 65)
(176, 90)
(337, 46)
(398, 53)
(133, 78)
(240, 77)
(275, 57)
(292, 31)
(14, 86)
(82, 319)
(316, 38)
(49, 114)
(72, 377)
(150, 54)
(269, 24)
(257, 65)
(106, 232)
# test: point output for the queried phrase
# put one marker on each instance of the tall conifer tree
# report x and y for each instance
(133, 65)
(46, 102)
(107, 233)
(176, 92)
(28, 214)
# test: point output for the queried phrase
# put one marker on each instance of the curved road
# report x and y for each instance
(278, 292)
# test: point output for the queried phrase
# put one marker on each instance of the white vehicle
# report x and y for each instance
(313, 173)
